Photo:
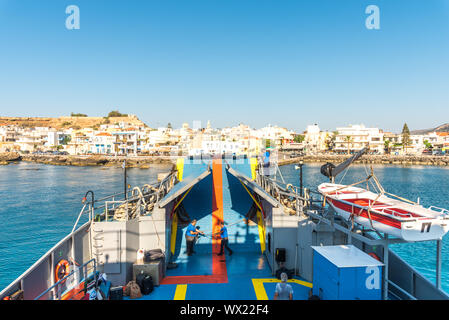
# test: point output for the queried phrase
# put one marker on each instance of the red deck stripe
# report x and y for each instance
(219, 272)
(218, 263)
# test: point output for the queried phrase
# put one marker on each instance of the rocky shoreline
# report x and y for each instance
(95, 160)
(372, 159)
(144, 162)
(8, 157)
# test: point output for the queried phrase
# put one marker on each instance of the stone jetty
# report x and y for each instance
(98, 160)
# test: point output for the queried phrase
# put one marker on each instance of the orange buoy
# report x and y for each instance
(62, 270)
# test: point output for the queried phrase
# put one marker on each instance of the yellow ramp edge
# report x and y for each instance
(180, 293)
(253, 163)
(261, 228)
(174, 230)
(180, 167)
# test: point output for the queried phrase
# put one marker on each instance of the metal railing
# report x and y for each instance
(389, 211)
(401, 290)
(157, 189)
(440, 210)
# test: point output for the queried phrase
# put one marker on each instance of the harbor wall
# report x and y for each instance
(405, 160)
(142, 162)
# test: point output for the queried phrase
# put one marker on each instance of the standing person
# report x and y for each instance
(283, 291)
(191, 234)
(224, 240)
(266, 163)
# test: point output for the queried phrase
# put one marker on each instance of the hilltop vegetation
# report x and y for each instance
(116, 113)
(78, 115)
(75, 122)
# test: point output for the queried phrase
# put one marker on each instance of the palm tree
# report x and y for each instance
(348, 140)
(387, 145)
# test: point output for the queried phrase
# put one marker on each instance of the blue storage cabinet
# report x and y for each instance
(346, 273)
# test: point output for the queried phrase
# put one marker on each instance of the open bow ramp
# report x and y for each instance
(182, 187)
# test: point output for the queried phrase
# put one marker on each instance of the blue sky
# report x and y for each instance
(289, 63)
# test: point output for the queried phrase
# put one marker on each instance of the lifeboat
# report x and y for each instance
(407, 220)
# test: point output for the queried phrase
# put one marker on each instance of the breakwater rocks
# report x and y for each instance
(7, 157)
(96, 160)
(372, 159)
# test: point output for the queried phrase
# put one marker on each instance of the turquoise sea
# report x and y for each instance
(40, 203)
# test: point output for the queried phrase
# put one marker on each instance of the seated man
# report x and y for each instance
(283, 291)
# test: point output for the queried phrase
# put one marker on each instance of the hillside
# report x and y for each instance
(441, 128)
(69, 122)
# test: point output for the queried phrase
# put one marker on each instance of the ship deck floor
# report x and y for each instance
(248, 278)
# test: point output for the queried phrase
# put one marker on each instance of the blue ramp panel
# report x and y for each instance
(241, 165)
(195, 167)
(243, 237)
(198, 205)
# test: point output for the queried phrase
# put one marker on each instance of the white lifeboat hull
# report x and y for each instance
(410, 222)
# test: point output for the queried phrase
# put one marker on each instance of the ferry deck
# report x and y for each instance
(245, 274)
(263, 217)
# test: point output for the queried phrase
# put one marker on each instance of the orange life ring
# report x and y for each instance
(62, 270)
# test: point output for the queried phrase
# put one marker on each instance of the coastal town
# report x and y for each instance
(126, 135)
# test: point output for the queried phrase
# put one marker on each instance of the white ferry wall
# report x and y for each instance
(119, 242)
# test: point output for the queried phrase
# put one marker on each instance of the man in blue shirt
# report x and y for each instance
(224, 240)
(266, 163)
(191, 234)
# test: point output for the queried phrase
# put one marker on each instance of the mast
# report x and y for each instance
(331, 171)
(124, 179)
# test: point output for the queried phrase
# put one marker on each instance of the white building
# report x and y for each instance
(126, 142)
(209, 147)
(276, 134)
(102, 143)
(356, 137)
(316, 140)
(52, 139)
